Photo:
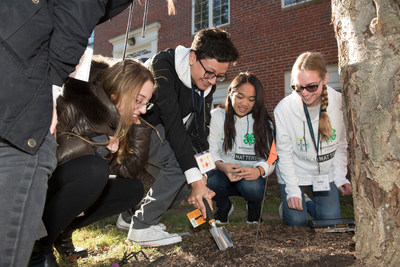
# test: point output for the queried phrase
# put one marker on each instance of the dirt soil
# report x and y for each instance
(277, 245)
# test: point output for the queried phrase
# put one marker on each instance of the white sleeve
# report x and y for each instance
(267, 169)
(216, 132)
(339, 165)
(285, 153)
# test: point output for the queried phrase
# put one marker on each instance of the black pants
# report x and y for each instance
(83, 185)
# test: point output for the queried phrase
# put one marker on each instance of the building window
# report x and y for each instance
(220, 94)
(209, 13)
(288, 3)
(139, 47)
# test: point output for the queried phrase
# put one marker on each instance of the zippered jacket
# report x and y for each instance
(85, 111)
(175, 110)
(41, 42)
(297, 164)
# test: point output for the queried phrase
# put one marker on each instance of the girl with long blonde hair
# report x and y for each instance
(102, 146)
(311, 144)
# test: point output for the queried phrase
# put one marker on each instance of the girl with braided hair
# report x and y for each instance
(311, 144)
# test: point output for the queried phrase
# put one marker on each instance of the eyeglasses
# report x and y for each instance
(309, 88)
(211, 75)
(141, 104)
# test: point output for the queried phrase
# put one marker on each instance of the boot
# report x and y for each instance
(42, 256)
(66, 248)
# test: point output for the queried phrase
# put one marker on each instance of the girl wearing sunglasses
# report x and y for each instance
(311, 145)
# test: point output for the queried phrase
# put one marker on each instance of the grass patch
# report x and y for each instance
(107, 244)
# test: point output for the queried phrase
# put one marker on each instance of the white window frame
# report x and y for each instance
(294, 4)
(333, 79)
(147, 43)
(211, 15)
(220, 93)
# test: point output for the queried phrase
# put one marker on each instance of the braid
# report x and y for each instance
(325, 127)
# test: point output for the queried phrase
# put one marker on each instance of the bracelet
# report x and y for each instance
(259, 170)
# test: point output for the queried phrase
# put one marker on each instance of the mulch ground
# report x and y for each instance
(277, 245)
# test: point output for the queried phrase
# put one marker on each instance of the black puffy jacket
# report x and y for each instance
(85, 111)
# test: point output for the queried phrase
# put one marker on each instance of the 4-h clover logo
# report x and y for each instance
(333, 136)
(249, 139)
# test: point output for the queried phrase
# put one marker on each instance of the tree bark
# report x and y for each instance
(368, 37)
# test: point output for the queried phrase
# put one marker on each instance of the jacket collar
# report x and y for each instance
(182, 67)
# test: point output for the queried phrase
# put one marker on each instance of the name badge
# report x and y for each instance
(321, 183)
(204, 161)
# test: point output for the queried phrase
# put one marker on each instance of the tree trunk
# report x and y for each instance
(368, 37)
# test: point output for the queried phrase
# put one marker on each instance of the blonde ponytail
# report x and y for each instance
(325, 127)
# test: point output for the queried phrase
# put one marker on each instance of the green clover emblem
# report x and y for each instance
(249, 139)
(333, 136)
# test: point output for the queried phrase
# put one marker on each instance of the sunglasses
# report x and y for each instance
(309, 88)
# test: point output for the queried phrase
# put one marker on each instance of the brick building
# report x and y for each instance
(269, 35)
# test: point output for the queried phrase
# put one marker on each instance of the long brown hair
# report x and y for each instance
(314, 61)
(263, 132)
(122, 82)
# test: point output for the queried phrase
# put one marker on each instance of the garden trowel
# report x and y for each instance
(219, 234)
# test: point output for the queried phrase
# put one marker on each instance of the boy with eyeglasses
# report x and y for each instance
(186, 81)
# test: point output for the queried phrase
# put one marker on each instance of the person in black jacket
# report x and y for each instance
(41, 42)
(186, 80)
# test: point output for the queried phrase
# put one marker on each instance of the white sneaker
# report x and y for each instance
(153, 237)
(161, 226)
(281, 210)
(124, 225)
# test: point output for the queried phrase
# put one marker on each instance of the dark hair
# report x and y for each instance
(263, 132)
(214, 43)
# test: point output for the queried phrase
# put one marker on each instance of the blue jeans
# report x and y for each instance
(325, 205)
(23, 185)
(251, 191)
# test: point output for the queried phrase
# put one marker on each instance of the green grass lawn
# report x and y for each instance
(107, 244)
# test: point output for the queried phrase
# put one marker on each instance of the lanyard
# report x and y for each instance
(195, 108)
(316, 144)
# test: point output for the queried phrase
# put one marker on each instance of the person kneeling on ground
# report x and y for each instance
(311, 144)
(186, 81)
(99, 133)
(240, 139)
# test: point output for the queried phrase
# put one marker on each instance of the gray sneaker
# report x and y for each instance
(153, 237)
(124, 225)
(281, 210)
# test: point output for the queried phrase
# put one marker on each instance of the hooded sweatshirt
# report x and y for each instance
(174, 105)
(297, 164)
(242, 152)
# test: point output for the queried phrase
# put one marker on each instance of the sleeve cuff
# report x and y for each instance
(267, 169)
(341, 182)
(293, 192)
(193, 175)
